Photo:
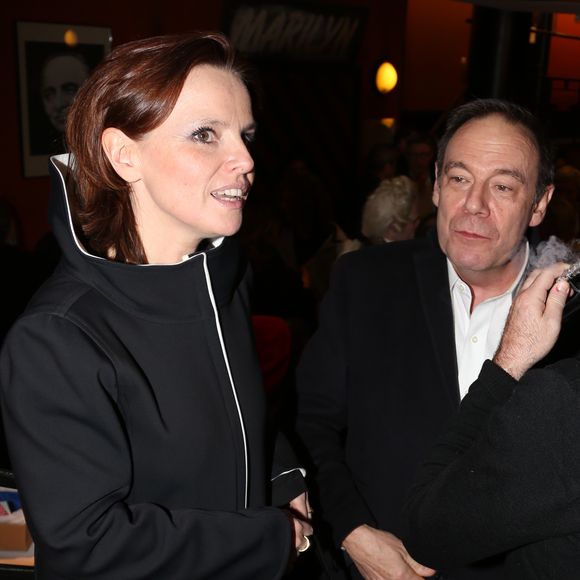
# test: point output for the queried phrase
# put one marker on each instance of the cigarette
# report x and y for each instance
(572, 276)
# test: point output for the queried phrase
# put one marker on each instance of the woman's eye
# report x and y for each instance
(203, 135)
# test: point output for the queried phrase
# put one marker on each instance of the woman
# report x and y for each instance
(390, 212)
(131, 391)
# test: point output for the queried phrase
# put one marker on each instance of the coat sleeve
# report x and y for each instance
(322, 376)
(506, 475)
(71, 456)
(288, 476)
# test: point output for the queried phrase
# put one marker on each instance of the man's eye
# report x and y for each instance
(503, 188)
(249, 137)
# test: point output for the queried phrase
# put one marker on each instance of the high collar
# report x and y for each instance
(174, 291)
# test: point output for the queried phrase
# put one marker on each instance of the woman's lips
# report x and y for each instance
(231, 197)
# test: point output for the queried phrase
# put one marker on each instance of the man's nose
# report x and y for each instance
(476, 201)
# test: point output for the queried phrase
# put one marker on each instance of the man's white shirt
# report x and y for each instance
(477, 335)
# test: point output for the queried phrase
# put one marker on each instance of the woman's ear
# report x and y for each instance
(121, 153)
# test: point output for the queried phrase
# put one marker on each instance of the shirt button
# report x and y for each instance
(474, 339)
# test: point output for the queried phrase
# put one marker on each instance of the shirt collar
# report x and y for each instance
(454, 278)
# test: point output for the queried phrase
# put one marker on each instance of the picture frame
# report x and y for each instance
(53, 61)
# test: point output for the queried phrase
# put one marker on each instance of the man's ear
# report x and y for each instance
(120, 151)
(540, 207)
(436, 189)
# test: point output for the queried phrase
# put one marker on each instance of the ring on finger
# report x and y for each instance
(302, 549)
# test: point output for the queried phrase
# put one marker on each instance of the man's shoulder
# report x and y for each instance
(390, 254)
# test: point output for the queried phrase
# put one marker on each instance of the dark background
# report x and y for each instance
(324, 111)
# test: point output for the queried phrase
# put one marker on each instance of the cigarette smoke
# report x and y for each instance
(550, 251)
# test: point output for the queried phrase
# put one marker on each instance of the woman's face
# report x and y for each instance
(194, 170)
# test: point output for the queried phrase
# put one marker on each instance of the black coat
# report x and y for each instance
(135, 420)
(377, 384)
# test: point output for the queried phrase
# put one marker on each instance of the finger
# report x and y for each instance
(557, 299)
(307, 529)
(414, 565)
(542, 283)
(548, 273)
(300, 506)
(304, 545)
(530, 278)
(418, 568)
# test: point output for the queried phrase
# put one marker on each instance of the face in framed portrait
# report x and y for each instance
(54, 60)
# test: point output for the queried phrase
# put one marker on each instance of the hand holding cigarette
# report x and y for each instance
(534, 321)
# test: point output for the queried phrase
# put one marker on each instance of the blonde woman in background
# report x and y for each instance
(390, 212)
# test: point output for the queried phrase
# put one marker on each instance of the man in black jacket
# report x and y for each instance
(405, 328)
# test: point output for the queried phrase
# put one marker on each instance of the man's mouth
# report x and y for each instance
(471, 235)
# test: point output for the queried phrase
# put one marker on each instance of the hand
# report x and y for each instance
(300, 506)
(300, 515)
(534, 321)
(379, 555)
(302, 532)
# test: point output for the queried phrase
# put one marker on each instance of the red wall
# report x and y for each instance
(438, 33)
(564, 60)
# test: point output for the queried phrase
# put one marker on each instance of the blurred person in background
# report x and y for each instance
(391, 211)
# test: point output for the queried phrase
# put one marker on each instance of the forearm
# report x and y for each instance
(493, 387)
(484, 489)
(288, 475)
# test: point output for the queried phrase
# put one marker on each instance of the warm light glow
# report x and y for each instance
(70, 38)
(388, 122)
(386, 78)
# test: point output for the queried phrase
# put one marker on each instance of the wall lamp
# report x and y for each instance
(386, 78)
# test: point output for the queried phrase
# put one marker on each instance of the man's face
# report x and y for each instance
(61, 79)
(485, 195)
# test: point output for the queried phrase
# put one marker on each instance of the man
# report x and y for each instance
(405, 328)
(506, 477)
(61, 76)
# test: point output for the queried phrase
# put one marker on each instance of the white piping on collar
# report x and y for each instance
(65, 161)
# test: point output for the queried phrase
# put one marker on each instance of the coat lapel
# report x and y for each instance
(433, 282)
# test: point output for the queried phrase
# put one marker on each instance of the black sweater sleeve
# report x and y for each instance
(506, 475)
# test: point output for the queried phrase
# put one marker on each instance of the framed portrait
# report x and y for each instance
(53, 61)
